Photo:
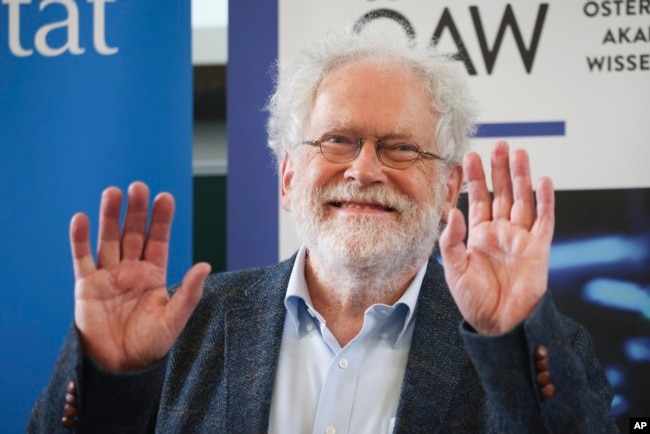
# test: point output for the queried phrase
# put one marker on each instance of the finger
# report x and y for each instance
(184, 301)
(135, 222)
(501, 181)
(82, 260)
(452, 246)
(108, 246)
(545, 222)
(478, 196)
(156, 248)
(523, 209)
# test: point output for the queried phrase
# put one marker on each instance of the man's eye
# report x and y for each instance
(339, 139)
(401, 147)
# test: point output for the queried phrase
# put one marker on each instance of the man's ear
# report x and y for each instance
(454, 185)
(286, 175)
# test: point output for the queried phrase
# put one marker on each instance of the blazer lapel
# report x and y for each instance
(253, 333)
(435, 359)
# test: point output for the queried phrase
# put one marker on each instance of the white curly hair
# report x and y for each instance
(298, 76)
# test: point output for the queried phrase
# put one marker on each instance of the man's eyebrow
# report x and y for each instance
(397, 132)
(339, 126)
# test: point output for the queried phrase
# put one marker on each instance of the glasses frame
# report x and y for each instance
(378, 142)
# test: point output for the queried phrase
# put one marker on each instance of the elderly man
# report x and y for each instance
(362, 331)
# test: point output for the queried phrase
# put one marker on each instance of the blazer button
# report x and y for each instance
(70, 408)
(548, 391)
(543, 379)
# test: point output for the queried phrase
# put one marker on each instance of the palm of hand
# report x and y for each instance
(503, 278)
(124, 310)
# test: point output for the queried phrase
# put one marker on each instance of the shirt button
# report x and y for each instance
(385, 335)
(330, 430)
(343, 363)
(309, 327)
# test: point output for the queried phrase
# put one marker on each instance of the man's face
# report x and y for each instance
(363, 212)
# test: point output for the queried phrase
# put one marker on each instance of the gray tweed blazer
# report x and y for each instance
(219, 376)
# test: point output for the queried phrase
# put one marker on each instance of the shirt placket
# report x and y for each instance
(336, 401)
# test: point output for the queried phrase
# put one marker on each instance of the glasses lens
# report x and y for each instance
(339, 147)
(398, 153)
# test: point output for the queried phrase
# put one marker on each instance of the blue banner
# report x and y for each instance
(92, 93)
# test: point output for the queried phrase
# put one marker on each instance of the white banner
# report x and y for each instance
(569, 81)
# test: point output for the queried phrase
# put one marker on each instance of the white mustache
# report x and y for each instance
(374, 194)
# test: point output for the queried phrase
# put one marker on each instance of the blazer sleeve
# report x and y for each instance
(508, 370)
(104, 402)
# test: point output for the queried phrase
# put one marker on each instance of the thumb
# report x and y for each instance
(452, 247)
(184, 301)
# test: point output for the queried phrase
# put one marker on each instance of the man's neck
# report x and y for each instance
(343, 295)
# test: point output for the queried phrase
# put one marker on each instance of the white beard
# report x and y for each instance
(368, 247)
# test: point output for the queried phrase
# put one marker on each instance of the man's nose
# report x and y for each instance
(366, 168)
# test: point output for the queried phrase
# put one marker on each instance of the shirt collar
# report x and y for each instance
(302, 313)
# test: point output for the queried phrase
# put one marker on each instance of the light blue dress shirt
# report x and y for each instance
(322, 388)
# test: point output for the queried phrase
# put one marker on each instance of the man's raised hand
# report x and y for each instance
(123, 312)
(498, 278)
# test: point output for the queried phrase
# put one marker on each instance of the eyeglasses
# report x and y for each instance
(394, 152)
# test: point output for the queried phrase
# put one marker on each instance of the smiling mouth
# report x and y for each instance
(355, 205)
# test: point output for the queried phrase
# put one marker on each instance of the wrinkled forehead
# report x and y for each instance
(373, 96)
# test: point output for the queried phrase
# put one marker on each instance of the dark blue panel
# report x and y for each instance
(252, 179)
